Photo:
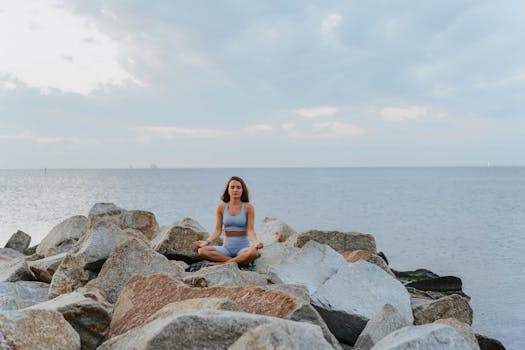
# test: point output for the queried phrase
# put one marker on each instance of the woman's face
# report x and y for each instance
(235, 189)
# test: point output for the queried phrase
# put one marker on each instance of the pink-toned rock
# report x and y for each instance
(339, 241)
(354, 255)
(141, 220)
(451, 306)
(69, 276)
(142, 296)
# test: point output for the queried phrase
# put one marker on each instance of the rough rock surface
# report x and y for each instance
(141, 220)
(452, 306)
(463, 329)
(36, 330)
(224, 275)
(191, 329)
(86, 311)
(486, 343)
(19, 241)
(13, 270)
(429, 337)
(356, 255)
(9, 254)
(175, 241)
(105, 212)
(339, 241)
(274, 231)
(383, 323)
(273, 254)
(45, 268)
(18, 295)
(290, 335)
(63, 236)
(69, 276)
(132, 257)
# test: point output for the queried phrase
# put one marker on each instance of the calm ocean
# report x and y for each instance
(467, 222)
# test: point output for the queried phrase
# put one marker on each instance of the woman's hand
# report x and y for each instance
(200, 244)
(259, 245)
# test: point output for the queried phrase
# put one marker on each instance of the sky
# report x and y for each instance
(118, 84)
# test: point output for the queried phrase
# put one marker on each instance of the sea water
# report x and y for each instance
(467, 222)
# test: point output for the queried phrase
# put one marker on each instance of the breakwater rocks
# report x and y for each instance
(114, 279)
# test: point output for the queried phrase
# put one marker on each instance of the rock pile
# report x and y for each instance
(116, 280)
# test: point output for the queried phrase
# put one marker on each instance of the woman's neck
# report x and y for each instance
(235, 202)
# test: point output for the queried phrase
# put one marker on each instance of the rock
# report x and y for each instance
(36, 330)
(107, 213)
(224, 275)
(19, 241)
(31, 250)
(297, 290)
(274, 230)
(201, 304)
(132, 257)
(450, 306)
(143, 221)
(9, 254)
(191, 329)
(43, 269)
(63, 236)
(69, 276)
(383, 323)
(463, 329)
(100, 240)
(15, 270)
(18, 295)
(339, 241)
(486, 343)
(356, 255)
(429, 337)
(273, 254)
(291, 335)
(416, 275)
(366, 289)
(311, 266)
(86, 312)
(176, 241)
(438, 284)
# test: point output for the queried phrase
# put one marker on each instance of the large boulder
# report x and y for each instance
(196, 329)
(383, 323)
(339, 241)
(100, 240)
(452, 306)
(132, 257)
(141, 220)
(144, 295)
(105, 212)
(273, 254)
(274, 231)
(224, 275)
(36, 330)
(288, 335)
(18, 295)
(87, 312)
(429, 337)
(70, 275)
(463, 329)
(19, 241)
(176, 241)
(326, 274)
(63, 236)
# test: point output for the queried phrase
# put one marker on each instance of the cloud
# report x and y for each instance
(258, 128)
(330, 22)
(149, 133)
(31, 137)
(316, 112)
(287, 126)
(330, 130)
(398, 114)
(44, 46)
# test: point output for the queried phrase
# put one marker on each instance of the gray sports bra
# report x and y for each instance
(237, 222)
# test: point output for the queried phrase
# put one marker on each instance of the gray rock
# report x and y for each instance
(486, 343)
(367, 288)
(463, 329)
(176, 241)
(311, 266)
(100, 240)
(63, 236)
(339, 241)
(36, 330)
(428, 337)
(191, 329)
(18, 295)
(132, 257)
(452, 306)
(224, 275)
(383, 323)
(274, 231)
(292, 335)
(107, 213)
(70, 275)
(273, 254)
(297, 290)
(86, 312)
(9, 254)
(19, 241)
(15, 270)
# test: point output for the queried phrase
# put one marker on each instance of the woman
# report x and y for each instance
(237, 216)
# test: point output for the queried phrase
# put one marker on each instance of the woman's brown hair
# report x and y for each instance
(245, 196)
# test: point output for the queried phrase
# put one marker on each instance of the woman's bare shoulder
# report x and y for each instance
(249, 207)
(220, 207)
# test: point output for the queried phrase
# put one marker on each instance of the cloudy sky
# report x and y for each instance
(113, 84)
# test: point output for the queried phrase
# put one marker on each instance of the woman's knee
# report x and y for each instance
(202, 251)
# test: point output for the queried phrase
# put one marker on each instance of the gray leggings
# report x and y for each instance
(233, 246)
